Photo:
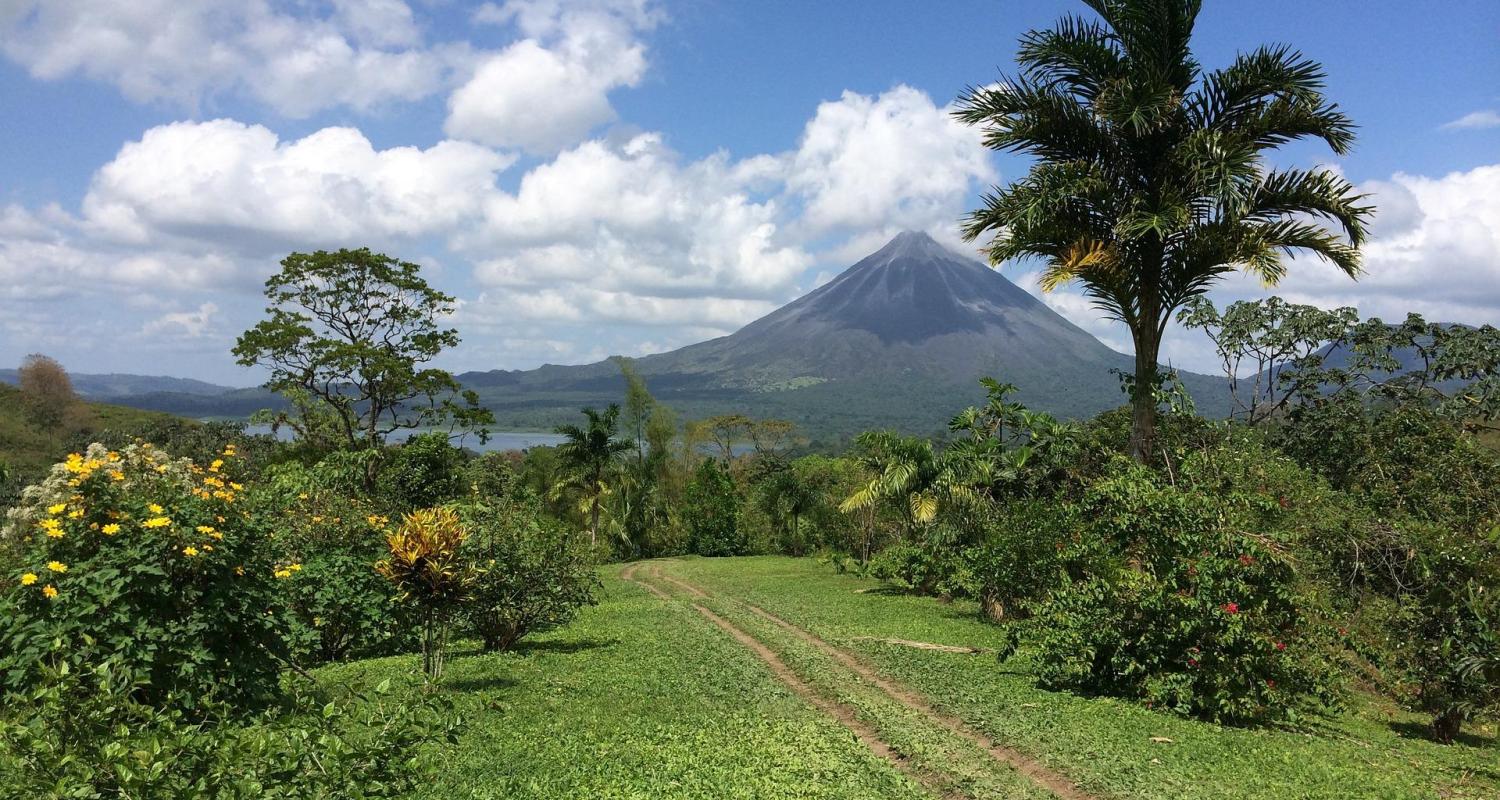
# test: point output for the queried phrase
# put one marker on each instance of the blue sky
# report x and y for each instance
(600, 176)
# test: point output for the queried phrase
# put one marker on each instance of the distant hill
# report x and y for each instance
(27, 450)
(117, 385)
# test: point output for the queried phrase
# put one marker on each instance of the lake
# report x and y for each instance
(499, 440)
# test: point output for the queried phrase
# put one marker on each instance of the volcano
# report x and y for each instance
(899, 339)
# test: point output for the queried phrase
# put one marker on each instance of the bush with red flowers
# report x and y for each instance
(1182, 609)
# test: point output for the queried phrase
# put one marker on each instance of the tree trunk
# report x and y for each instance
(1143, 395)
(594, 523)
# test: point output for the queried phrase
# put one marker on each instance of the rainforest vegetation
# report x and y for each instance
(1299, 600)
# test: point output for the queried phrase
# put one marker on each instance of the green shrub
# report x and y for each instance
(148, 565)
(534, 574)
(712, 510)
(84, 736)
(423, 472)
(1183, 612)
(333, 604)
(1020, 559)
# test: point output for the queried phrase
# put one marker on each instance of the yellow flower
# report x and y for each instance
(282, 573)
(190, 551)
(205, 529)
(57, 509)
(111, 529)
(239, 570)
(156, 522)
(49, 591)
(117, 476)
(28, 579)
(74, 463)
(76, 513)
(216, 536)
(57, 566)
(214, 467)
(155, 509)
(208, 548)
(236, 486)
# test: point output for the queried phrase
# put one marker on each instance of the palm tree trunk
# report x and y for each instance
(1143, 397)
(594, 523)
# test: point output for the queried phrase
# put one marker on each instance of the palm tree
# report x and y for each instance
(589, 456)
(907, 471)
(1150, 182)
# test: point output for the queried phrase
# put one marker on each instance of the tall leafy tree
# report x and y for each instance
(589, 454)
(347, 338)
(1150, 181)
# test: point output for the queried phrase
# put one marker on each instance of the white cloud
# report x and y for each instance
(628, 231)
(237, 184)
(551, 88)
(183, 324)
(1475, 120)
(896, 159)
(364, 54)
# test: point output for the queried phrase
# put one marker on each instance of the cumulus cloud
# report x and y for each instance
(630, 230)
(551, 88)
(230, 182)
(1475, 120)
(895, 159)
(362, 54)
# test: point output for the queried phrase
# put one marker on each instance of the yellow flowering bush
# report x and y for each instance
(145, 563)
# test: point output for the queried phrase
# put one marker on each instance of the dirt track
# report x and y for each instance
(1038, 773)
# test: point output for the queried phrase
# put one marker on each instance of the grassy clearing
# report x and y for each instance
(1372, 750)
(639, 698)
(644, 698)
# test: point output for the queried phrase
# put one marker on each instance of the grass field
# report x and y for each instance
(772, 677)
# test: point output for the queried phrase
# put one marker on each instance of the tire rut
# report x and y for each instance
(840, 712)
(1039, 773)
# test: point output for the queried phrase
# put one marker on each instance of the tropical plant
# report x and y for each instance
(346, 341)
(907, 473)
(428, 569)
(1150, 182)
(589, 457)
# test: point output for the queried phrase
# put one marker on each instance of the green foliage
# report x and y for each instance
(86, 736)
(533, 573)
(1186, 594)
(346, 339)
(1151, 182)
(424, 471)
(712, 511)
(328, 538)
(146, 567)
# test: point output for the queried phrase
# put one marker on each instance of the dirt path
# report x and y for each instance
(1039, 773)
(840, 712)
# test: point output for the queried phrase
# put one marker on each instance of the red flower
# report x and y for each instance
(1281, 645)
(1246, 559)
(1232, 608)
(1270, 684)
(1192, 662)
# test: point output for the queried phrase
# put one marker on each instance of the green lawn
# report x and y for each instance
(644, 697)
